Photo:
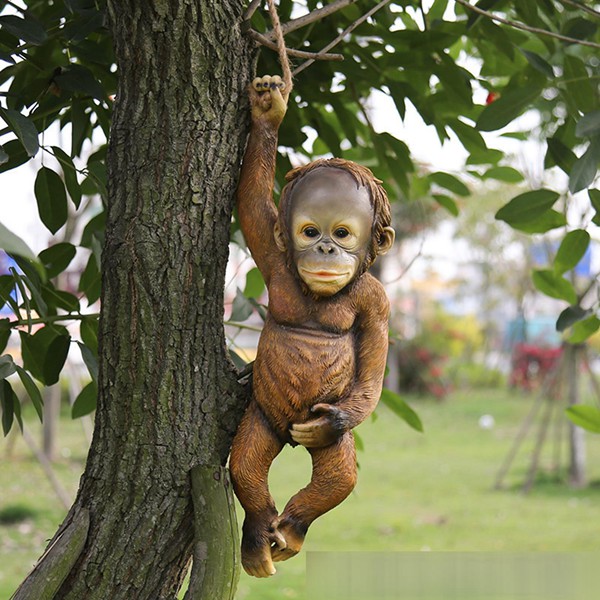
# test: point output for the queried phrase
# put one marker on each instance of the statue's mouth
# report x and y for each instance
(324, 275)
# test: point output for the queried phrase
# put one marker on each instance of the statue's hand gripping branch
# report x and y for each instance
(321, 356)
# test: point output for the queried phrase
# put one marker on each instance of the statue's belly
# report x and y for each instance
(297, 368)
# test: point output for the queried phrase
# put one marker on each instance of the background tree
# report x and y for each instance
(168, 397)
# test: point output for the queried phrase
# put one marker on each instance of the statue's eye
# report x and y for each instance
(341, 232)
(311, 232)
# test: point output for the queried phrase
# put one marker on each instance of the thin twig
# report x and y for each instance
(242, 326)
(291, 52)
(593, 282)
(410, 263)
(523, 27)
(340, 37)
(311, 17)
(252, 7)
(50, 319)
(581, 6)
(46, 465)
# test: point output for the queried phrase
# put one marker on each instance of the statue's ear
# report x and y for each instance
(386, 241)
(278, 235)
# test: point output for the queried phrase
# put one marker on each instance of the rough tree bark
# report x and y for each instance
(168, 396)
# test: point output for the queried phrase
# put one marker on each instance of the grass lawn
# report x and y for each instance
(416, 492)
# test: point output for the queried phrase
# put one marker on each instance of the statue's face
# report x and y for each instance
(330, 223)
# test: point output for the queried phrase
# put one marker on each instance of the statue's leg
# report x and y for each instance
(333, 478)
(254, 448)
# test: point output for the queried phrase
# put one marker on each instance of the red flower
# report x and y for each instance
(491, 97)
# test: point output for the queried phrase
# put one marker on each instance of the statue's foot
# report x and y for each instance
(293, 535)
(256, 551)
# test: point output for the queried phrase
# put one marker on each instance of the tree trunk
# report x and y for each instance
(168, 395)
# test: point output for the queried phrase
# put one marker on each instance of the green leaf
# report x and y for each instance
(80, 126)
(4, 157)
(237, 360)
(85, 403)
(522, 136)
(7, 366)
(400, 408)
(585, 168)
(88, 330)
(90, 282)
(45, 352)
(8, 402)
(241, 308)
(507, 174)
(538, 63)
(581, 90)
(587, 417)
(527, 207)
(90, 361)
(469, 137)
(33, 270)
(79, 79)
(561, 154)
(70, 173)
(5, 331)
(94, 230)
(550, 283)
(491, 156)
(51, 199)
(570, 316)
(582, 330)
(571, 250)
(588, 125)
(32, 391)
(545, 222)
(13, 244)
(26, 29)
(7, 290)
(17, 156)
(255, 284)
(449, 182)
(57, 258)
(508, 107)
(23, 128)
(448, 203)
(60, 299)
(595, 200)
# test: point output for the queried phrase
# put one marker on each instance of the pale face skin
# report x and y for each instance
(330, 227)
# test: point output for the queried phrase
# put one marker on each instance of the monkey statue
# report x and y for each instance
(322, 353)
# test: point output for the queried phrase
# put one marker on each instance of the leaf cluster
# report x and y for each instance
(56, 71)
(464, 73)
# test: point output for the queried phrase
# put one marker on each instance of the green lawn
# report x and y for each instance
(416, 492)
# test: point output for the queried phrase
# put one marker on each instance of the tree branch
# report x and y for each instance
(581, 6)
(261, 39)
(311, 17)
(251, 9)
(340, 37)
(523, 27)
(51, 319)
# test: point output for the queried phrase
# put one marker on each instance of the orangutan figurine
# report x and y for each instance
(322, 353)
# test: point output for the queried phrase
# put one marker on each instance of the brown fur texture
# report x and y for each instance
(320, 360)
